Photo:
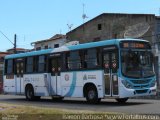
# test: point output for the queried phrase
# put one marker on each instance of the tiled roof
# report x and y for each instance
(2, 54)
(55, 37)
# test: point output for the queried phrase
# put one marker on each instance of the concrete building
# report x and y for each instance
(53, 42)
(113, 25)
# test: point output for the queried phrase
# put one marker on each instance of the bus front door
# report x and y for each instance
(110, 61)
(19, 78)
(55, 76)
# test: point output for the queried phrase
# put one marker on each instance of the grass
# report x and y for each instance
(20, 112)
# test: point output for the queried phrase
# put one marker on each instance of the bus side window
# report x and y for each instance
(82, 59)
(9, 66)
(99, 57)
(29, 64)
(64, 65)
(5, 67)
(42, 63)
(91, 58)
(84, 62)
(73, 60)
(67, 60)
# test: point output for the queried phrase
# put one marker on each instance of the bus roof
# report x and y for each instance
(70, 48)
(33, 53)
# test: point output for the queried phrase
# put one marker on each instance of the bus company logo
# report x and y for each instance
(92, 77)
(85, 77)
(66, 77)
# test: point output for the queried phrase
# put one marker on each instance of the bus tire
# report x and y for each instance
(29, 93)
(122, 100)
(92, 95)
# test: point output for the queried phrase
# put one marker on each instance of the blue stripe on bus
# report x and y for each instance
(72, 87)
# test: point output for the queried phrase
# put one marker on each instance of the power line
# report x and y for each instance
(15, 40)
(6, 37)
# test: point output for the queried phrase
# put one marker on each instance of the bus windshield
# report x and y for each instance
(137, 63)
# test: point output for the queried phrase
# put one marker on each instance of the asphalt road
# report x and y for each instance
(133, 106)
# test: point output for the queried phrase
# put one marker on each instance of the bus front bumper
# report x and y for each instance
(125, 92)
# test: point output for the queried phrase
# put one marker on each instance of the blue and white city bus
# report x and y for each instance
(118, 68)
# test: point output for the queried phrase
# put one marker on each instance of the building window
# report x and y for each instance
(38, 48)
(46, 47)
(99, 26)
(56, 45)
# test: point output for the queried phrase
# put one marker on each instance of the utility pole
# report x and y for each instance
(84, 16)
(15, 43)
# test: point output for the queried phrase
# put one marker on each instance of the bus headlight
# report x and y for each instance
(126, 84)
(153, 83)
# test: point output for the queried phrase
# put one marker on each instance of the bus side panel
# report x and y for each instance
(72, 84)
(95, 77)
(9, 85)
(40, 83)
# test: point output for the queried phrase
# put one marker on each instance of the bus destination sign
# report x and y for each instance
(138, 45)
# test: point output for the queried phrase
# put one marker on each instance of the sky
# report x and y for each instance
(34, 20)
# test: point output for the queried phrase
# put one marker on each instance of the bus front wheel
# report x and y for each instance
(122, 100)
(92, 95)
